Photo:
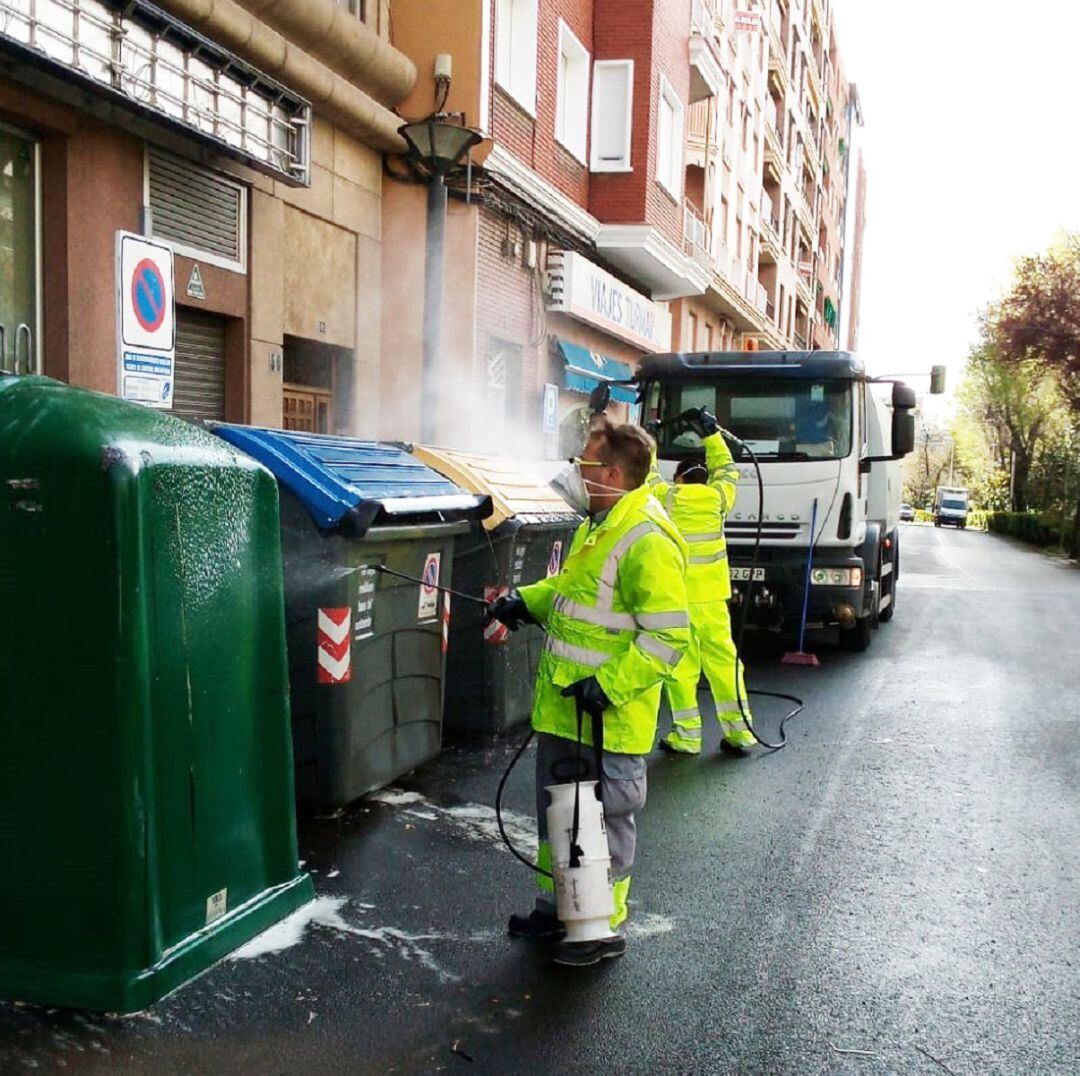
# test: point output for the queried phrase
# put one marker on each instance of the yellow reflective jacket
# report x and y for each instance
(616, 611)
(698, 511)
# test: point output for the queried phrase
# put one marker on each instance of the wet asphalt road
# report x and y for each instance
(899, 892)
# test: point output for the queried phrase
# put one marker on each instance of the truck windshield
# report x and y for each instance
(956, 506)
(779, 418)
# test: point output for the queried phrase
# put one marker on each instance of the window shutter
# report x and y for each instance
(611, 115)
(196, 208)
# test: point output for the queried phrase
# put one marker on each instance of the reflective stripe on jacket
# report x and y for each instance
(616, 611)
(698, 511)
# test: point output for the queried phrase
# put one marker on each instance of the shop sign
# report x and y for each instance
(551, 408)
(748, 22)
(591, 294)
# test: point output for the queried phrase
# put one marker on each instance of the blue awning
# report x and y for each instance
(586, 369)
(341, 478)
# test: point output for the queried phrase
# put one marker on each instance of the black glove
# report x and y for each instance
(701, 421)
(590, 694)
(510, 610)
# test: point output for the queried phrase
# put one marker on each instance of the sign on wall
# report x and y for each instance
(591, 294)
(145, 320)
(748, 22)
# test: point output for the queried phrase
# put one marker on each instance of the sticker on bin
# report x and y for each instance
(429, 593)
(445, 622)
(216, 905)
(555, 560)
(335, 647)
(495, 633)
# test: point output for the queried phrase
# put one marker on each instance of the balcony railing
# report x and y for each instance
(696, 235)
(703, 19)
(800, 342)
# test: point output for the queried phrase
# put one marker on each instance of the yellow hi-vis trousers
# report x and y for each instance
(712, 650)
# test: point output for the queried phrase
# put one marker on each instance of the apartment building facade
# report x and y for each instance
(767, 167)
(248, 136)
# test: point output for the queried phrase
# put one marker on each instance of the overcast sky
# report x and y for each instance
(972, 160)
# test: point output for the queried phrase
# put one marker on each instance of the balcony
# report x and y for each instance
(701, 146)
(706, 76)
(778, 74)
(696, 239)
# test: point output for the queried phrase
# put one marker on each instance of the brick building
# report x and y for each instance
(249, 136)
(563, 258)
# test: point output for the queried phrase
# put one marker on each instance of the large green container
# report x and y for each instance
(147, 822)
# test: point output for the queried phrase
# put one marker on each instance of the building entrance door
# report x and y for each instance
(200, 366)
(19, 254)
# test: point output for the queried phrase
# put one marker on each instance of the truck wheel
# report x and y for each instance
(857, 638)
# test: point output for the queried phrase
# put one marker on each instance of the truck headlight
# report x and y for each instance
(837, 577)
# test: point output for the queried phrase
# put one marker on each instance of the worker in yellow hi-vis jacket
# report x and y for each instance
(698, 502)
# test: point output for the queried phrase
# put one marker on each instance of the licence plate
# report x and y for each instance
(742, 575)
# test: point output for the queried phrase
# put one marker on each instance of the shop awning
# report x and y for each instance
(586, 369)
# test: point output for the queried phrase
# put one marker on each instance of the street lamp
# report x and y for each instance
(436, 145)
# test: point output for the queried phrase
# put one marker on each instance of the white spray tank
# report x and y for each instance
(584, 898)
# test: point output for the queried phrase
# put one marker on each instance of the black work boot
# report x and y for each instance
(582, 954)
(536, 926)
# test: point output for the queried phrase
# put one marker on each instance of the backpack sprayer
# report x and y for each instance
(580, 856)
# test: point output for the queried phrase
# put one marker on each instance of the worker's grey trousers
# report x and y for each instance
(624, 793)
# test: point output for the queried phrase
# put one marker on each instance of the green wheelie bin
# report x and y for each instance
(147, 813)
(491, 671)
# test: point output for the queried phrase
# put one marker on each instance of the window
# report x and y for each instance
(353, 7)
(612, 115)
(669, 139)
(515, 50)
(572, 94)
(20, 276)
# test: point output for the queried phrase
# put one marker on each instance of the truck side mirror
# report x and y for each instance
(903, 433)
(903, 421)
(937, 380)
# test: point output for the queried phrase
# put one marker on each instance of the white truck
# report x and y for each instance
(828, 440)
(951, 506)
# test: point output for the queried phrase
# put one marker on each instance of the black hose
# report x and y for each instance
(498, 810)
(738, 641)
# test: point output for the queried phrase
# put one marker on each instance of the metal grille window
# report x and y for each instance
(201, 213)
(162, 66)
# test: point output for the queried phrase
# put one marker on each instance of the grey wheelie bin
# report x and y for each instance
(491, 671)
(366, 648)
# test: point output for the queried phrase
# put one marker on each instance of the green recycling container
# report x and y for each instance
(491, 672)
(147, 817)
(366, 647)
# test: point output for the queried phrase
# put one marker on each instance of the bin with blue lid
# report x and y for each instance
(492, 671)
(366, 649)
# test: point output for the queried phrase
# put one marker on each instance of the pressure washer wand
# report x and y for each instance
(433, 586)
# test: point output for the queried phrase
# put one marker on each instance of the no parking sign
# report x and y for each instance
(145, 320)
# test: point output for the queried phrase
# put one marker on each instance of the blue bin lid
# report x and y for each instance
(342, 478)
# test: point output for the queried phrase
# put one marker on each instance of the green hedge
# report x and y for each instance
(1027, 526)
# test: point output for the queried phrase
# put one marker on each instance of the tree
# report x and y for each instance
(1011, 407)
(1038, 324)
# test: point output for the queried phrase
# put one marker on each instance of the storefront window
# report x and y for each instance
(18, 254)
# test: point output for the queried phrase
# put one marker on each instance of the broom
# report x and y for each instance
(800, 656)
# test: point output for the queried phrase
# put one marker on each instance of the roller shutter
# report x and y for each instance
(200, 366)
(195, 207)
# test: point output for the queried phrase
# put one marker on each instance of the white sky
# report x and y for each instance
(971, 161)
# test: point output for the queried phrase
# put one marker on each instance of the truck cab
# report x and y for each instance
(827, 441)
(950, 506)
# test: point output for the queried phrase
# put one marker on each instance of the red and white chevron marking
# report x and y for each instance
(445, 622)
(495, 633)
(335, 650)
